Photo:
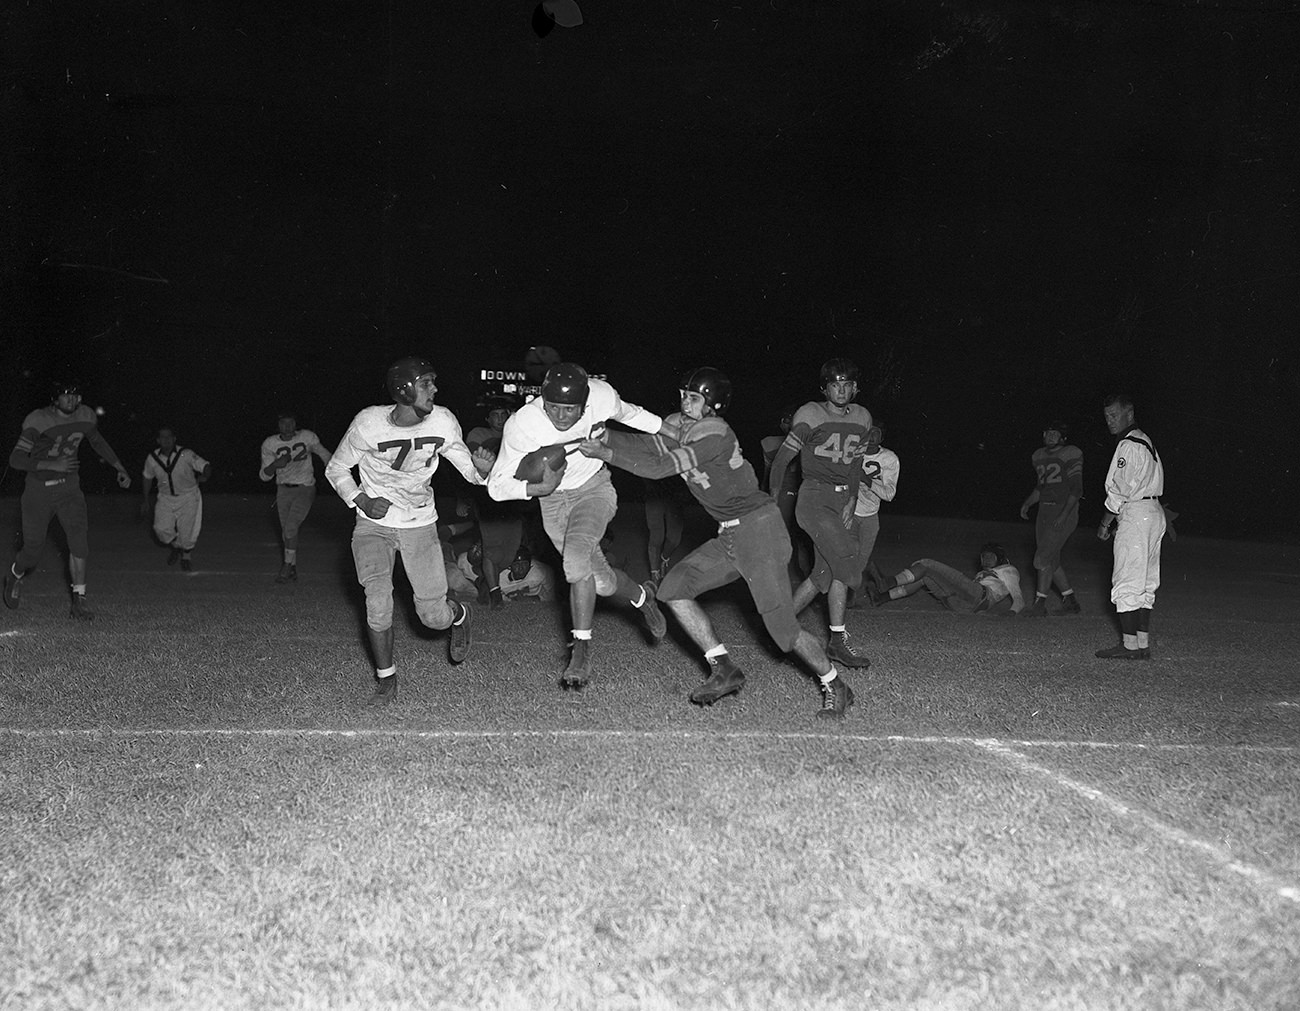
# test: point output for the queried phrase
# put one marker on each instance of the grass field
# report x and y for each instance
(198, 812)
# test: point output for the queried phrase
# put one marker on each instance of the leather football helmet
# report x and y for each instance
(402, 375)
(566, 383)
(711, 384)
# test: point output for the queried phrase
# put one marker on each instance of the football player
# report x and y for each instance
(395, 450)
(828, 437)
(1134, 484)
(539, 459)
(286, 460)
(1059, 470)
(877, 483)
(752, 541)
(47, 450)
(178, 511)
(994, 589)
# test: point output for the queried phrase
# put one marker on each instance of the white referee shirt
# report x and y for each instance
(529, 428)
(1135, 473)
(299, 448)
(397, 462)
(176, 473)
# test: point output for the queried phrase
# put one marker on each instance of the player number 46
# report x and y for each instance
(838, 452)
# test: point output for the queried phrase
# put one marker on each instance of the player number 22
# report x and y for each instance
(404, 447)
(1050, 474)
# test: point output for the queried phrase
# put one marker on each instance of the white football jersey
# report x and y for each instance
(298, 448)
(529, 428)
(878, 483)
(397, 462)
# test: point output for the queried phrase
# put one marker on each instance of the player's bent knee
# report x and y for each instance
(784, 628)
(435, 617)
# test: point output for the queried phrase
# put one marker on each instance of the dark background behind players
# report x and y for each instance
(996, 208)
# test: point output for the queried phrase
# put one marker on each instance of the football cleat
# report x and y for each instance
(1070, 604)
(79, 610)
(12, 588)
(577, 675)
(655, 622)
(287, 574)
(836, 699)
(725, 678)
(840, 650)
(187, 565)
(1038, 609)
(460, 635)
(385, 691)
(173, 554)
(1122, 652)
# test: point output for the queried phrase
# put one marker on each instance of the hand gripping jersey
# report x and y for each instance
(49, 435)
(397, 462)
(298, 448)
(177, 473)
(879, 481)
(529, 428)
(708, 458)
(828, 441)
(1060, 474)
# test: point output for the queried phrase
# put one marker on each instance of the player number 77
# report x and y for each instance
(404, 447)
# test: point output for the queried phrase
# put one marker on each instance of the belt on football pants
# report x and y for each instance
(724, 524)
(827, 484)
(53, 481)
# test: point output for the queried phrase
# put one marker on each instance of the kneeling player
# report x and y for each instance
(752, 540)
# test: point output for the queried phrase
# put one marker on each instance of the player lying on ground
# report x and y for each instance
(994, 589)
(752, 541)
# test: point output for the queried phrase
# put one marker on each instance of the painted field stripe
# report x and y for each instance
(1261, 879)
(645, 735)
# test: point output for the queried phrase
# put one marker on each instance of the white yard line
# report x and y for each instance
(1261, 879)
(1005, 749)
(990, 743)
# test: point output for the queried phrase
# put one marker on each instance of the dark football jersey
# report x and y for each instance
(828, 441)
(1060, 473)
(48, 435)
(708, 458)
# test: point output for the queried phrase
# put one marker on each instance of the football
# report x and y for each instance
(531, 466)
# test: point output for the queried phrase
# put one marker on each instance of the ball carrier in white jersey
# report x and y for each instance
(577, 496)
(1134, 484)
(286, 460)
(395, 451)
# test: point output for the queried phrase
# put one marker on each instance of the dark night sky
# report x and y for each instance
(1001, 210)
